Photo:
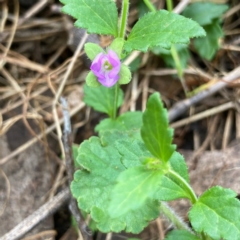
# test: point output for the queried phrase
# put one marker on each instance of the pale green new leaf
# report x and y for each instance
(125, 75)
(155, 131)
(117, 46)
(101, 165)
(102, 98)
(204, 12)
(178, 164)
(208, 45)
(170, 189)
(92, 50)
(125, 122)
(217, 214)
(91, 80)
(161, 28)
(97, 16)
(181, 235)
(134, 187)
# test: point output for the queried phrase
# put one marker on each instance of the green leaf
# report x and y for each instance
(169, 188)
(92, 50)
(217, 214)
(135, 186)
(125, 122)
(101, 165)
(155, 131)
(96, 16)
(142, 9)
(208, 45)
(75, 154)
(181, 235)
(102, 98)
(92, 81)
(204, 12)
(132, 151)
(161, 28)
(178, 164)
(183, 54)
(125, 75)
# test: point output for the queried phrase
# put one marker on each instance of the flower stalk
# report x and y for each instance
(187, 187)
(123, 20)
(115, 106)
(121, 34)
(173, 217)
(150, 6)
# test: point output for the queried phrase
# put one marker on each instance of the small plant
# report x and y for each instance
(208, 15)
(132, 168)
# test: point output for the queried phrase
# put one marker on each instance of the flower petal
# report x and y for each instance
(113, 59)
(96, 64)
(107, 76)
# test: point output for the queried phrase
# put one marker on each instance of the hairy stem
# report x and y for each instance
(123, 20)
(173, 217)
(150, 5)
(115, 103)
(188, 189)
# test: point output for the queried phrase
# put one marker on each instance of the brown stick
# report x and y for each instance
(182, 106)
(67, 143)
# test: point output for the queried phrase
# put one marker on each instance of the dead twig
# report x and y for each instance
(182, 106)
(67, 143)
(204, 114)
(181, 6)
(31, 221)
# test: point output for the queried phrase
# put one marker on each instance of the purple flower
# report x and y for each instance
(106, 67)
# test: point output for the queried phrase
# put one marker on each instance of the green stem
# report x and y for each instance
(173, 217)
(175, 55)
(177, 61)
(121, 34)
(115, 103)
(169, 5)
(183, 182)
(123, 21)
(150, 6)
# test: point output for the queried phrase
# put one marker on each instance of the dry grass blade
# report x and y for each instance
(16, 16)
(19, 60)
(4, 127)
(4, 15)
(182, 106)
(8, 190)
(34, 140)
(49, 234)
(60, 89)
(202, 115)
(227, 129)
